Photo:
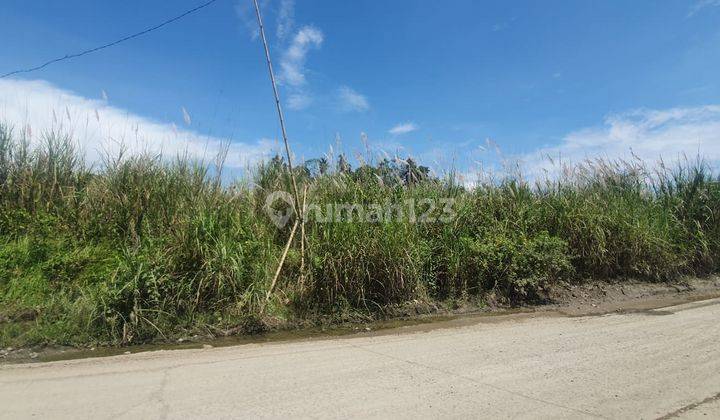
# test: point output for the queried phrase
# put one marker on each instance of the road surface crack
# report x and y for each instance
(690, 407)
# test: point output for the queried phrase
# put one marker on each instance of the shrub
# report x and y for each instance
(145, 247)
(518, 267)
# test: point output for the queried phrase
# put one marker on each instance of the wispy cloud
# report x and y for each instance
(38, 106)
(294, 45)
(292, 63)
(285, 19)
(403, 128)
(501, 26)
(648, 134)
(352, 101)
(246, 13)
(299, 101)
(702, 4)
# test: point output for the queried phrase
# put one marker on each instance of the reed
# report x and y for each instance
(148, 247)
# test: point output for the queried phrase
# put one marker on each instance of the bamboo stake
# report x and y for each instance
(278, 106)
(302, 240)
(280, 265)
(299, 211)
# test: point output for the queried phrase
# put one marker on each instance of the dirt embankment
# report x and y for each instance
(595, 298)
(586, 299)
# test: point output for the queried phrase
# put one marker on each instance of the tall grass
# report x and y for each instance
(144, 247)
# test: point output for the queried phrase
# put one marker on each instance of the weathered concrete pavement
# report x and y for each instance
(642, 365)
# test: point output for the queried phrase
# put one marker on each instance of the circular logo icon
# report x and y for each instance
(279, 217)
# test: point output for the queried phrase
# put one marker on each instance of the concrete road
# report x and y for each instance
(651, 364)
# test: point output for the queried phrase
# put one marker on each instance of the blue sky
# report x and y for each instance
(434, 80)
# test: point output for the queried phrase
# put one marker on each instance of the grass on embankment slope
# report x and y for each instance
(144, 248)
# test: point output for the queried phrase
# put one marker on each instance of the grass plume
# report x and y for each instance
(144, 247)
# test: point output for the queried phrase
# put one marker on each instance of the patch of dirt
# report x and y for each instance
(32, 354)
(602, 297)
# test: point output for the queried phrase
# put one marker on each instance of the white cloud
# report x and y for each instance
(245, 11)
(501, 26)
(292, 63)
(351, 100)
(702, 4)
(648, 134)
(403, 128)
(299, 101)
(294, 47)
(285, 19)
(38, 106)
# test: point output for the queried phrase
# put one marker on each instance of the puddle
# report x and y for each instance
(650, 312)
(372, 329)
(425, 323)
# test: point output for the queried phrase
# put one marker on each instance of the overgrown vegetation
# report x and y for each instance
(143, 248)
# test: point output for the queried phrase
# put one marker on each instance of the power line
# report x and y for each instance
(112, 44)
